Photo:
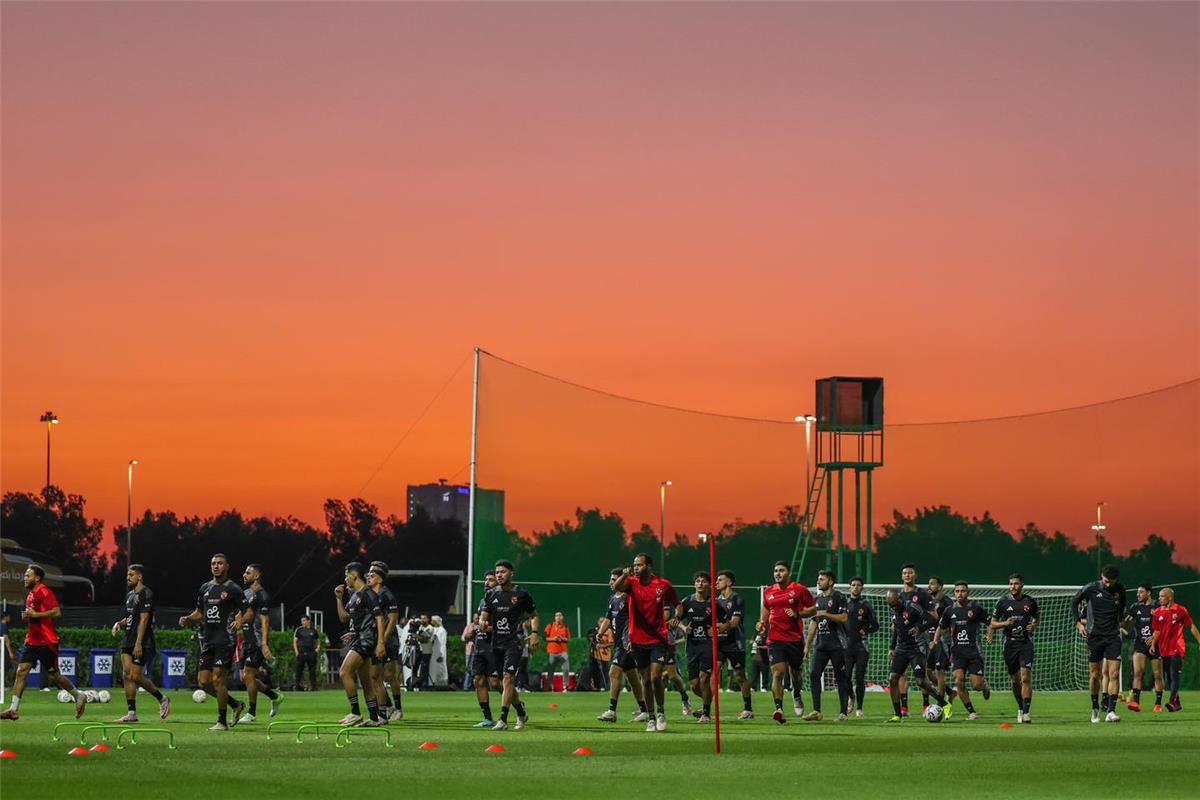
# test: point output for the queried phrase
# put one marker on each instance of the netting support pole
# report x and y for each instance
(471, 498)
(858, 565)
(828, 520)
(870, 554)
(841, 529)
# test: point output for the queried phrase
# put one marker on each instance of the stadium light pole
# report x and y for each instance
(662, 525)
(808, 420)
(129, 517)
(1099, 528)
(51, 420)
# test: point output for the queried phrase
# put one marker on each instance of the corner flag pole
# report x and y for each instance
(716, 676)
(471, 498)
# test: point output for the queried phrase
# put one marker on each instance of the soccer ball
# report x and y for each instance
(934, 713)
(199, 695)
(104, 695)
(92, 697)
(65, 697)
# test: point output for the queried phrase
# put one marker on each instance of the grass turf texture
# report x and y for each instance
(1061, 755)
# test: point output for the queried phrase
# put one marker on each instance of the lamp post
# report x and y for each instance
(1099, 528)
(662, 525)
(129, 518)
(51, 420)
(808, 420)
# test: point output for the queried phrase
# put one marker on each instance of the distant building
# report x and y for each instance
(445, 501)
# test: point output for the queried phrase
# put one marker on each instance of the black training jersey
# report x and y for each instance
(363, 608)
(1141, 614)
(918, 596)
(960, 624)
(259, 602)
(1102, 608)
(388, 604)
(506, 609)
(219, 603)
(136, 604)
(941, 604)
(482, 639)
(1023, 609)
(618, 617)
(908, 622)
(697, 615)
(861, 622)
(727, 609)
(306, 639)
(830, 635)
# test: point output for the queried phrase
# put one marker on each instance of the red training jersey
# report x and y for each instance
(1170, 623)
(794, 596)
(41, 631)
(647, 603)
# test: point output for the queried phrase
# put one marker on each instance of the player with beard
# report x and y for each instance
(364, 619)
(918, 596)
(506, 609)
(961, 623)
(255, 623)
(1140, 615)
(384, 674)
(220, 603)
(485, 676)
(623, 664)
(137, 649)
(651, 599)
(1099, 607)
(696, 621)
(732, 637)
(910, 650)
(862, 623)
(827, 640)
(1017, 614)
(784, 604)
(939, 655)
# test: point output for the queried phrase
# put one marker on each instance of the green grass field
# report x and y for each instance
(1060, 755)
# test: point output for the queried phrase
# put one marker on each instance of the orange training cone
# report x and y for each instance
(428, 746)
(7, 754)
(99, 748)
(77, 751)
(1005, 724)
(554, 705)
(583, 751)
(495, 748)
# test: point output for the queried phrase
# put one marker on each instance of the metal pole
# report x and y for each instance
(471, 497)
(48, 424)
(841, 541)
(129, 521)
(858, 565)
(829, 518)
(870, 531)
(662, 528)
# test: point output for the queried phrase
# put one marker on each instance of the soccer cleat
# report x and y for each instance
(858, 713)
(972, 716)
(895, 718)
(703, 719)
(10, 714)
(370, 723)
(1174, 706)
(1157, 708)
(522, 721)
(129, 717)
(650, 726)
(640, 716)
(275, 704)
(80, 704)
(607, 716)
(351, 720)
(842, 717)
(1095, 715)
(220, 726)
(947, 711)
(904, 711)
(164, 708)
(1025, 718)
(798, 706)
(660, 722)
(500, 725)
(238, 708)
(484, 723)
(1134, 706)
(779, 717)
(1112, 717)
(396, 715)
(687, 710)
(247, 717)
(746, 714)
(987, 691)
(813, 716)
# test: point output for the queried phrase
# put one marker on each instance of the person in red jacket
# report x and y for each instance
(1168, 624)
(784, 604)
(41, 643)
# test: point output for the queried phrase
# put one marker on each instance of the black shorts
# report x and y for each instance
(1018, 655)
(939, 657)
(144, 660)
(366, 650)
(644, 654)
(967, 658)
(672, 655)
(391, 650)
(623, 657)
(44, 654)
(484, 664)
(903, 660)
(699, 659)
(1140, 646)
(735, 656)
(213, 656)
(790, 653)
(1103, 648)
(507, 655)
(252, 657)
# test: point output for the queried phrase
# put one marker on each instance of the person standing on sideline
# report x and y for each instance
(601, 647)
(307, 642)
(439, 670)
(557, 636)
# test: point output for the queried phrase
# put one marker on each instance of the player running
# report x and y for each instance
(671, 668)
(137, 648)
(1140, 615)
(960, 622)
(827, 639)
(41, 643)
(505, 608)
(918, 596)
(219, 603)
(385, 667)
(862, 623)
(617, 619)
(484, 674)
(696, 621)
(939, 655)
(1168, 623)
(256, 642)
(909, 650)
(1017, 614)
(364, 635)
(1099, 607)
(732, 637)
(784, 604)
(650, 597)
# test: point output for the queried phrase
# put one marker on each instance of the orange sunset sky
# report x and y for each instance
(248, 243)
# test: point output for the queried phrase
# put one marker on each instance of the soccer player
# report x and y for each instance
(909, 650)
(1099, 607)
(137, 649)
(939, 655)
(364, 634)
(696, 621)
(220, 602)
(1168, 624)
(504, 612)
(784, 604)
(384, 674)
(650, 597)
(623, 663)
(41, 643)
(862, 623)
(484, 674)
(256, 642)
(961, 623)
(671, 674)
(827, 638)
(732, 637)
(919, 596)
(1017, 614)
(1141, 614)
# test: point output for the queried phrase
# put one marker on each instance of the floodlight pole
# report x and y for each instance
(471, 497)
(129, 518)
(1099, 528)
